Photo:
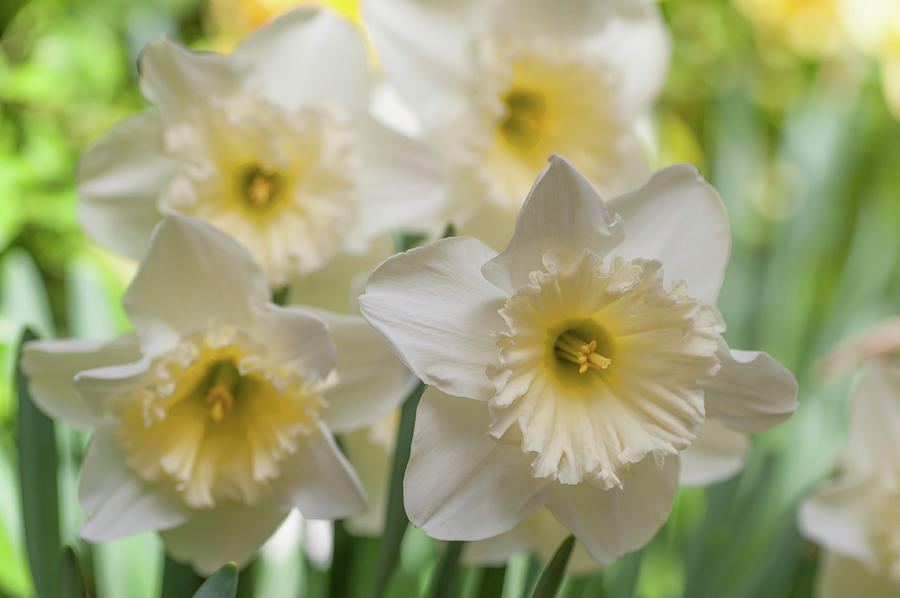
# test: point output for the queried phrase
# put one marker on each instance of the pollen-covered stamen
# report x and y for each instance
(220, 396)
(260, 187)
(526, 118)
(570, 347)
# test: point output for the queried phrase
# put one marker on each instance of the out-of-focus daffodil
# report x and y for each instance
(810, 28)
(874, 27)
(214, 418)
(856, 517)
(498, 86)
(581, 369)
(272, 144)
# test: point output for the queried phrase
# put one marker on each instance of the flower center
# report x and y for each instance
(526, 118)
(215, 419)
(577, 425)
(260, 189)
(570, 347)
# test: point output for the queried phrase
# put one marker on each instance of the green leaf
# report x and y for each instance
(552, 577)
(179, 580)
(443, 581)
(221, 584)
(492, 579)
(71, 579)
(37, 474)
(395, 517)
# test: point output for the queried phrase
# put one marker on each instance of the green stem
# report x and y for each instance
(443, 581)
(396, 520)
(492, 579)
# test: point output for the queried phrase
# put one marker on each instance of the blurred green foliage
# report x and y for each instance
(803, 151)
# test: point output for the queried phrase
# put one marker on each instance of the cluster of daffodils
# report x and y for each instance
(576, 378)
(856, 518)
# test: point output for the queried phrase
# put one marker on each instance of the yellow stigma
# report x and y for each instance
(260, 188)
(220, 401)
(526, 118)
(570, 347)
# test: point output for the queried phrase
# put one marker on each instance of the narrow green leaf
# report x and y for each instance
(37, 475)
(443, 580)
(552, 577)
(71, 578)
(221, 584)
(341, 562)
(179, 580)
(492, 579)
(395, 518)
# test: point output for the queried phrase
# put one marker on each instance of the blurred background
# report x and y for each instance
(787, 106)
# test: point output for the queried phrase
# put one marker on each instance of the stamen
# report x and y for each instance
(220, 401)
(583, 354)
(260, 188)
(220, 396)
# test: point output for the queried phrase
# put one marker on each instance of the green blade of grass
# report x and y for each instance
(552, 577)
(37, 474)
(221, 584)
(395, 517)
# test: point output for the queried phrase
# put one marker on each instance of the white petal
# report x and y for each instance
(612, 522)
(309, 55)
(192, 275)
(875, 419)
(563, 216)
(51, 366)
(637, 44)
(118, 502)
(836, 517)
(119, 180)
(678, 219)
(842, 577)
(319, 481)
(424, 48)
(371, 381)
(291, 334)
(717, 454)
(751, 392)
(403, 181)
(337, 286)
(176, 79)
(438, 313)
(227, 533)
(98, 386)
(372, 462)
(460, 483)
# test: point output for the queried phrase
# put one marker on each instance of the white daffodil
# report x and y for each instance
(581, 369)
(214, 418)
(273, 144)
(499, 86)
(856, 517)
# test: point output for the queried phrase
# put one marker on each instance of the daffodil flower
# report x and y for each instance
(499, 86)
(272, 144)
(214, 418)
(582, 369)
(856, 517)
